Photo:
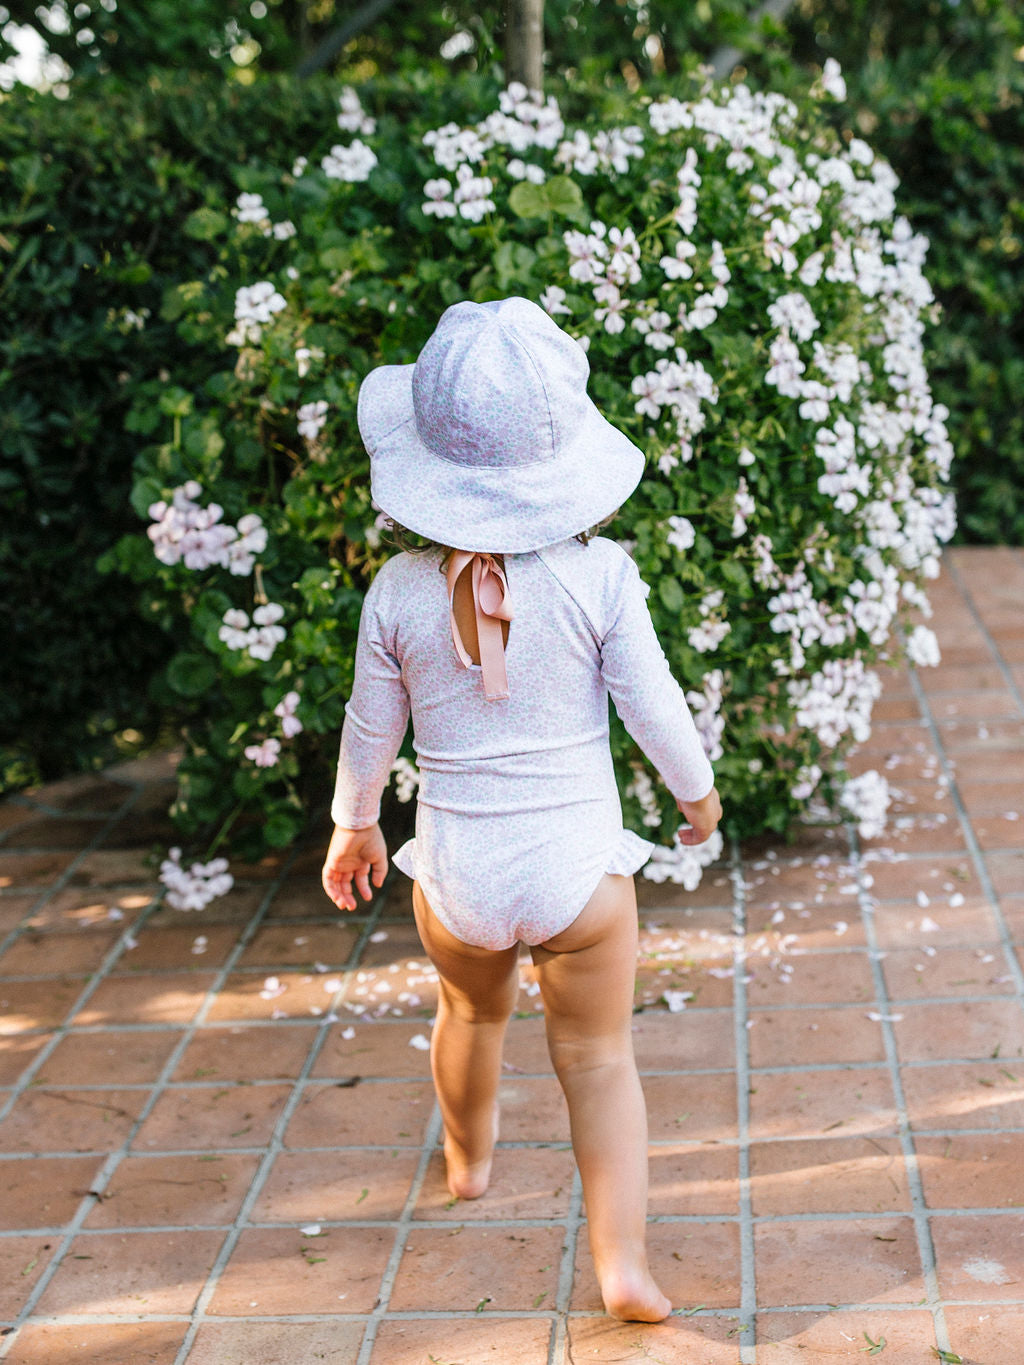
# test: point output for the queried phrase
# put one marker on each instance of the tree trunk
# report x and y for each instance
(524, 43)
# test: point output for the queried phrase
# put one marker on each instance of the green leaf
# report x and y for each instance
(191, 674)
(528, 200)
(671, 593)
(559, 195)
(204, 224)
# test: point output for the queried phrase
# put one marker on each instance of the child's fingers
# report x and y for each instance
(362, 882)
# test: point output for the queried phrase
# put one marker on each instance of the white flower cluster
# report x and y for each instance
(285, 712)
(186, 533)
(713, 629)
(264, 755)
(195, 887)
(352, 163)
(352, 117)
(681, 535)
(836, 701)
(602, 152)
(867, 798)
(250, 208)
(522, 121)
(706, 707)
(407, 779)
(471, 199)
(681, 386)
(923, 647)
(641, 789)
(260, 637)
(312, 418)
(255, 306)
(684, 863)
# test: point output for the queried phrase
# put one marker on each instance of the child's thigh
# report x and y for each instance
(478, 982)
(587, 972)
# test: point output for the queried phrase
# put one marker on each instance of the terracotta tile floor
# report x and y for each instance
(218, 1139)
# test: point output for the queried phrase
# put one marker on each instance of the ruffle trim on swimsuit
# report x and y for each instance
(628, 856)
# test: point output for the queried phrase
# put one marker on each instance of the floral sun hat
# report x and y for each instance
(489, 441)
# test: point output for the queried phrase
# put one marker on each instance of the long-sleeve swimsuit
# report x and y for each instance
(518, 812)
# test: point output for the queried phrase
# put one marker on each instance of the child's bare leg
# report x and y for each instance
(477, 994)
(586, 978)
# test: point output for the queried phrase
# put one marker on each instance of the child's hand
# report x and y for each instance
(703, 817)
(351, 856)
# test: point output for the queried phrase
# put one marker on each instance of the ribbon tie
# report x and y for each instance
(491, 606)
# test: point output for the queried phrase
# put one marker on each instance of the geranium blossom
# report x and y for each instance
(193, 888)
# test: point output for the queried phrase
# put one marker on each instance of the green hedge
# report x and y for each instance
(96, 192)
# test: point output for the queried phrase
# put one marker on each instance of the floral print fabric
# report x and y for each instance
(519, 814)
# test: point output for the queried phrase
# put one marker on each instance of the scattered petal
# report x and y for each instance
(420, 1043)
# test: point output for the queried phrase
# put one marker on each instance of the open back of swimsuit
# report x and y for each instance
(519, 814)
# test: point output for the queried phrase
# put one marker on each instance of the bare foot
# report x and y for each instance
(634, 1297)
(469, 1180)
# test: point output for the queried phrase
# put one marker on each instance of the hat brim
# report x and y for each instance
(496, 509)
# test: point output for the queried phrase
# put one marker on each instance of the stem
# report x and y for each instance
(221, 834)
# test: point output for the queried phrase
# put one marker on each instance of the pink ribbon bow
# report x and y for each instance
(490, 606)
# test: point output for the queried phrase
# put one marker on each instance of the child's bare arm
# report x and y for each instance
(354, 855)
(703, 817)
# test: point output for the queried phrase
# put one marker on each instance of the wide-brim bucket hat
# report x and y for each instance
(489, 442)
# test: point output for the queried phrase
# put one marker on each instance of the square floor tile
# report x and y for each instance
(485, 1269)
(35, 954)
(677, 1341)
(58, 1343)
(693, 1039)
(987, 1094)
(174, 1190)
(487, 1340)
(905, 1337)
(192, 1117)
(71, 1120)
(160, 998)
(863, 1260)
(17, 1053)
(981, 1333)
(24, 1005)
(278, 1271)
(960, 1030)
(695, 1264)
(810, 1037)
(821, 1103)
(980, 1257)
(44, 1192)
(115, 1056)
(533, 1109)
(377, 1048)
(22, 1261)
(300, 945)
(271, 995)
(336, 1186)
(192, 946)
(693, 1178)
(246, 1053)
(696, 1108)
(814, 979)
(372, 1113)
(912, 973)
(335, 1342)
(972, 1171)
(132, 1272)
(829, 1175)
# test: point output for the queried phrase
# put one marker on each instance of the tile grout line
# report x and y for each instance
(559, 1345)
(919, 1208)
(273, 1147)
(741, 1035)
(114, 1159)
(402, 1229)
